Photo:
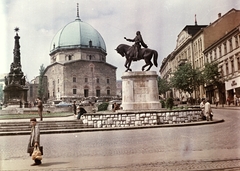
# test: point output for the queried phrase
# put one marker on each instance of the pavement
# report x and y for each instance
(55, 164)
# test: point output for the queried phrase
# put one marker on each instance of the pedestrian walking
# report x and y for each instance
(34, 140)
(40, 108)
(80, 112)
(202, 106)
(208, 111)
(216, 101)
(74, 108)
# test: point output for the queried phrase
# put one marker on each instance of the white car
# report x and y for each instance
(63, 104)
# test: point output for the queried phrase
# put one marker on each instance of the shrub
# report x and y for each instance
(169, 103)
(103, 106)
(163, 103)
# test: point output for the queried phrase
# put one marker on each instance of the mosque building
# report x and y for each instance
(78, 67)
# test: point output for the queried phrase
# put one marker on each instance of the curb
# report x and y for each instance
(111, 129)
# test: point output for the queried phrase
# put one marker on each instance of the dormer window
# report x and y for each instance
(90, 43)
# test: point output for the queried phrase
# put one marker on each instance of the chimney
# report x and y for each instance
(219, 15)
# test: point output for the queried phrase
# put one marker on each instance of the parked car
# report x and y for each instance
(63, 104)
(85, 103)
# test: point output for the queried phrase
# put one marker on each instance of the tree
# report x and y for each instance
(187, 79)
(163, 86)
(211, 74)
(213, 77)
(41, 89)
(1, 92)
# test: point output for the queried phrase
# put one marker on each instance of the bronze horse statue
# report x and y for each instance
(144, 53)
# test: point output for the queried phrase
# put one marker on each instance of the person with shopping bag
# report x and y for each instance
(34, 143)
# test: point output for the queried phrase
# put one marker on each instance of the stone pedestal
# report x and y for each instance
(140, 91)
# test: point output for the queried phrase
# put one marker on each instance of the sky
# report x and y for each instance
(160, 22)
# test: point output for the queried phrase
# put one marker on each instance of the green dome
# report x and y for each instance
(77, 34)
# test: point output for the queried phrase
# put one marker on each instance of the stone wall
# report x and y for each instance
(141, 118)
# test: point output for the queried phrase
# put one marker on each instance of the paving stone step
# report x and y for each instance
(44, 125)
(41, 124)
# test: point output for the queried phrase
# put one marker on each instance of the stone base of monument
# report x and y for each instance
(140, 91)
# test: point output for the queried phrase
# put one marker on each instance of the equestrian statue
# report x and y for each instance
(136, 53)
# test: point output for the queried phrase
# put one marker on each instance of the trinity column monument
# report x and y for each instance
(15, 90)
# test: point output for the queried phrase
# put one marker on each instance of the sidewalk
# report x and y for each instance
(173, 160)
(231, 107)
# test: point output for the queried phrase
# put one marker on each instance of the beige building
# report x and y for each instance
(188, 49)
(208, 44)
(78, 66)
(226, 52)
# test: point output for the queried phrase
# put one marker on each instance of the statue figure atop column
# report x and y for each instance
(16, 51)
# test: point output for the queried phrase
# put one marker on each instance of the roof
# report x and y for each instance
(193, 29)
(77, 34)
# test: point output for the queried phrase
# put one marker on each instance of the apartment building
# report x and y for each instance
(198, 44)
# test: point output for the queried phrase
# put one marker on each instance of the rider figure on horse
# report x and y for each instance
(137, 45)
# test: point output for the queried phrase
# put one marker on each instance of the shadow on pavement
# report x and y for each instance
(52, 164)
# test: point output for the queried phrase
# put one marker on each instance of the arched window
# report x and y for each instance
(98, 91)
(86, 91)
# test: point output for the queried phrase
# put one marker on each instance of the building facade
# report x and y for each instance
(226, 52)
(215, 42)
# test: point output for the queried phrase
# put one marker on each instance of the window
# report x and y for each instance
(108, 81)
(232, 66)
(220, 51)
(238, 61)
(74, 79)
(215, 54)
(211, 58)
(221, 71)
(236, 42)
(108, 92)
(98, 93)
(69, 57)
(227, 72)
(225, 48)
(86, 80)
(230, 45)
(85, 92)
(97, 80)
(74, 91)
(90, 43)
